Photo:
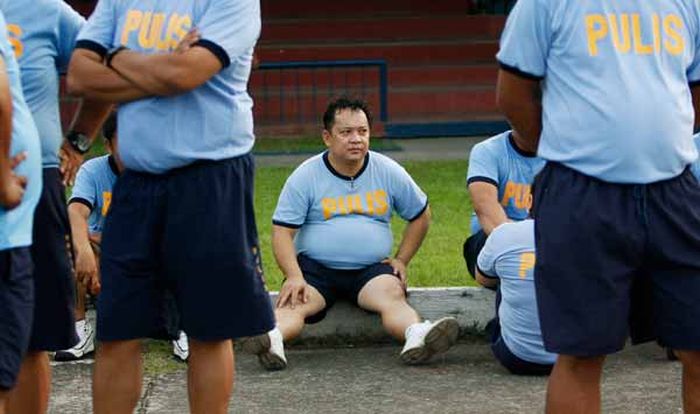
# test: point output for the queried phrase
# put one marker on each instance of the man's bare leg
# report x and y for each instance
(31, 393)
(290, 321)
(116, 382)
(80, 293)
(210, 376)
(385, 295)
(691, 380)
(574, 385)
(3, 402)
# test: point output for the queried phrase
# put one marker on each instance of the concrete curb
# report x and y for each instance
(345, 324)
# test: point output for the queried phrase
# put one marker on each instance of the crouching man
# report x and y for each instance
(507, 261)
(332, 239)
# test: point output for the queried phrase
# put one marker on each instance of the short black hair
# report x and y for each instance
(344, 103)
(109, 128)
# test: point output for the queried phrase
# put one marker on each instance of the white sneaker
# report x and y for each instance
(181, 348)
(84, 347)
(425, 339)
(269, 348)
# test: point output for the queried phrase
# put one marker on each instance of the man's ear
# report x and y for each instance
(326, 137)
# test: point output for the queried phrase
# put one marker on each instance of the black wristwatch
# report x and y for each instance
(79, 141)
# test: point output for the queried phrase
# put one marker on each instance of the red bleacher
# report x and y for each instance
(440, 58)
(441, 64)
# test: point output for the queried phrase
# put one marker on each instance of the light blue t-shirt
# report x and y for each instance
(616, 103)
(93, 188)
(211, 122)
(500, 162)
(509, 254)
(344, 222)
(43, 43)
(16, 224)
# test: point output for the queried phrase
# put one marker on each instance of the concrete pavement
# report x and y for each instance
(372, 380)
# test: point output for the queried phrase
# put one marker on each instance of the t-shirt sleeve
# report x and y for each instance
(483, 165)
(486, 261)
(85, 188)
(230, 28)
(526, 39)
(69, 25)
(292, 205)
(408, 200)
(98, 33)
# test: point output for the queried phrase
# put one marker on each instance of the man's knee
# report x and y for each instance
(384, 290)
(391, 287)
(302, 310)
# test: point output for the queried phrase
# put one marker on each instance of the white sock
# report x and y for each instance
(275, 332)
(80, 325)
(410, 328)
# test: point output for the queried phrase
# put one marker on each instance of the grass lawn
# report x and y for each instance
(439, 262)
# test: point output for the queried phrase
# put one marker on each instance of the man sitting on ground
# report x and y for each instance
(499, 177)
(332, 239)
(508, 261)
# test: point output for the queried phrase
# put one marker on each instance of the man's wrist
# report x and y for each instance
(295, 276)
(401, 259)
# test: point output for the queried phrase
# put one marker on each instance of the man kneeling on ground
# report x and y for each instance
(508, 261)
(332, 238)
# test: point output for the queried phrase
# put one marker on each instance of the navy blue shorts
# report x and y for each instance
(616, 260)
(16, 311)
(54, 282)
(190, 232)
(334, 284)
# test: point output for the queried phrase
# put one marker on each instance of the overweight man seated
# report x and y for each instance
(332, 240)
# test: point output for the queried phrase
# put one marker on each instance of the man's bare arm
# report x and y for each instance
(11, 186)
(413, 236)
(88, 121)
(78, 215)
(294, 288)
(484, 280)
(90, 117)
(167, 74)
(285, 252)
(89, 78)
(486, 206)
(85, 263)
(520, 101)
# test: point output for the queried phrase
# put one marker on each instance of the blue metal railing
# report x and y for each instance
(298, 92)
